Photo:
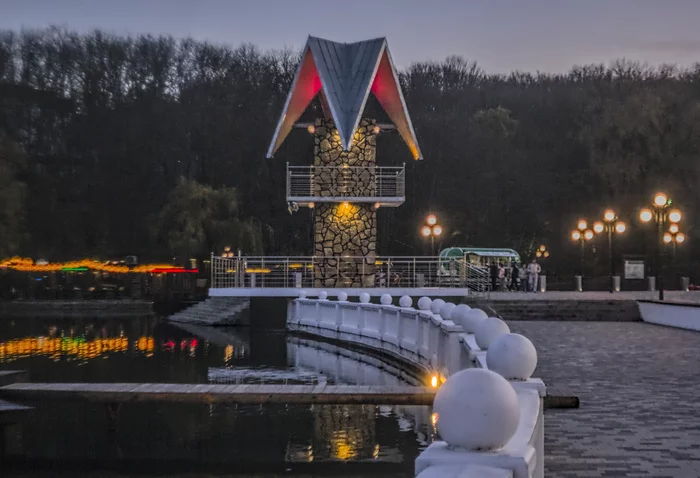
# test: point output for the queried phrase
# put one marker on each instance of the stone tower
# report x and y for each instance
(345, 186)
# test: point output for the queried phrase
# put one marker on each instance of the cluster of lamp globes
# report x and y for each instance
(661, 203)
(227, 252)
(583, 233)
(432, 228)
(542, 252)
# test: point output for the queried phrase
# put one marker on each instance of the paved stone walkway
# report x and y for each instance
(639, 386)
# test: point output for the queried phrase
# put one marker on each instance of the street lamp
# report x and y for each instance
(431, 229)
(542, 252)
(661, 213)
(582, 234)
(611, 223)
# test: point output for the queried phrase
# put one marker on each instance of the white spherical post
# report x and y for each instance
(476, 409)
(386, 299)
(342, 297)
(462, 307)
(472, 319)
(424, 303)
(323, 295)
(405, 301)
(436, 305)
(446, 310)
(302, 294)
(513, 356)
(489, 330)
(364, 298)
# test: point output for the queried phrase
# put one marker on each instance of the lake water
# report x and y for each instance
(164, 439)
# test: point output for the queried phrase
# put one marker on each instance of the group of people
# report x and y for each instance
(514, 277)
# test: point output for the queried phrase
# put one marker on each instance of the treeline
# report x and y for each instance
(105, 135)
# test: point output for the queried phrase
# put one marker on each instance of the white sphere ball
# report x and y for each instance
(342, 296)
(471, 320)
(386, 299)
(476, 409)
(513, 356)
(302, 294)
(364, 298)
(462, 307)
(489, 330)
(424, 303)
(405, 301)
(436, 305)
(446, 310)
(323, 295)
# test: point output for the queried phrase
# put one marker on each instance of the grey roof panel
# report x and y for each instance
(347, 72)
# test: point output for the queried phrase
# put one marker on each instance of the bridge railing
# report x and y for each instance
(343, 271)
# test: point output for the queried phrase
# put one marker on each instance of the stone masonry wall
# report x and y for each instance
(345, 233)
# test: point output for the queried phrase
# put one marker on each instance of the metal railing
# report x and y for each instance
(338, 183)
(349, 272)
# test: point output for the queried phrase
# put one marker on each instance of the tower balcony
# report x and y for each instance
(383, 186)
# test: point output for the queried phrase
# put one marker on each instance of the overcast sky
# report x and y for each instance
(501, 35)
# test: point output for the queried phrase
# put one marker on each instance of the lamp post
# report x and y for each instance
(674, 237)
(542, 252)
(611, 223)
(582, 234)
(431, 229)
(662, 214)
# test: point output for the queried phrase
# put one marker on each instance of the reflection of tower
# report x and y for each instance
(347, 432)
(344, 185)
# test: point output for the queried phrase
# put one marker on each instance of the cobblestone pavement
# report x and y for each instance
(639, 386)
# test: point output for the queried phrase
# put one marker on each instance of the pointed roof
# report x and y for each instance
(344, 74)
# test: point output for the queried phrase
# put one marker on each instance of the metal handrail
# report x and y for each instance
(345, 181)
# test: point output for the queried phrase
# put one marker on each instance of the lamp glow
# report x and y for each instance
(434, 381)
(660, 199)
(311, 205)
(425, 231)
(680, 238)
(673, 228)
(546, 253)
(582, 225)
(645, 215)
(575, 235)
(588, 235)
(620, 227)
(437, 230)
(609, 215)
(598, 227)
(668, 238)
(311, 129)
(431, 220)
(538, 253)
(543, 248)
(376, 130)
(675, 215)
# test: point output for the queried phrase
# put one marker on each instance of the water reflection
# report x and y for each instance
(148, 350)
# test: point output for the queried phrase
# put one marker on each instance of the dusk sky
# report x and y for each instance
(501, 35)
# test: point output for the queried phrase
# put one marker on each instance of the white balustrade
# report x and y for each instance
(422, 336)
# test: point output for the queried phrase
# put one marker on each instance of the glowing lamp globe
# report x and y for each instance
(668, 238)
(582, 225)
(476, 409)
(645, 215)
(680, 238)
(598, 227)
(575, 235)
(425, 231)
(673, 228)
(660, 199)
(588, 234)
(620, 227)
(675, 216)
(512, 356)
(437, 230)
(609, 215)
(431, 220)
(489, 330)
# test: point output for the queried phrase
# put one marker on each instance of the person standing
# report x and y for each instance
(533, 272)
(514, 276)
(523, 278)
(493, 272)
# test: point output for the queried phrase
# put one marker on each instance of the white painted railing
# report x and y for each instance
(425, 337)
